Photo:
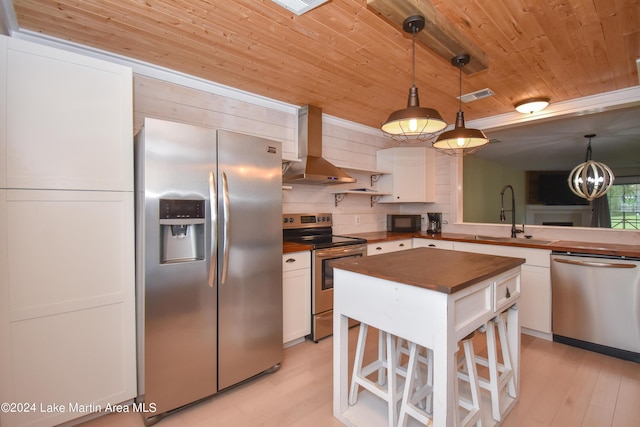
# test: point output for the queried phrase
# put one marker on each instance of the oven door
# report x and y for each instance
(323, 260)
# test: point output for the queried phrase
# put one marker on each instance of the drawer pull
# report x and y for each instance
(401, 245)
(378, 248)
(508, 295)
(431, 245)
(290, 260)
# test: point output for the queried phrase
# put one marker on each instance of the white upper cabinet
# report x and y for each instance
(63, 109)
(412, 175)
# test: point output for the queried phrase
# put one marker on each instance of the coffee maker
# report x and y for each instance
(434, 225)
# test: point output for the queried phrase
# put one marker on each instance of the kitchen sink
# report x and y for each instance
(514, 240)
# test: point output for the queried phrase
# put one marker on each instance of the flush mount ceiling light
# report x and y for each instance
(533, 105)
(460, 140)
(415, 123)
(590, 179)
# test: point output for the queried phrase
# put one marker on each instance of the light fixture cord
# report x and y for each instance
(413, 43)
(460, 98)
(588, 157)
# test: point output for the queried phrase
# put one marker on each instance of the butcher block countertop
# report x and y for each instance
(289, 247)
(434, 269)
(556, 245)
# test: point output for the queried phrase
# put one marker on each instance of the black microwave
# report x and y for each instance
(403, 223)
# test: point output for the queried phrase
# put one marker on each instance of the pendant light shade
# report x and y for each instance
(460, 140)
(413, 124)
(590, 179)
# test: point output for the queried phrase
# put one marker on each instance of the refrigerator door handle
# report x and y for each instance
(214, 218)
(225, 247)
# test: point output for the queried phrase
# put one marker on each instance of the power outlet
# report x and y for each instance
(357, 219)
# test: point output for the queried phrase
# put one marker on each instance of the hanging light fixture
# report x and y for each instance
(533, 105)
(415, 123)
(460, 140)
(590, 179)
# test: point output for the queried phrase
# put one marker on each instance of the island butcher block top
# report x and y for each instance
(434, 269)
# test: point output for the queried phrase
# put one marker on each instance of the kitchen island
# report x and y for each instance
(431, 297)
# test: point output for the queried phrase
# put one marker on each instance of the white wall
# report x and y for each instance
(344, 143)
(483, 182)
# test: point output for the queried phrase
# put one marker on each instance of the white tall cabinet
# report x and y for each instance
(67, 325)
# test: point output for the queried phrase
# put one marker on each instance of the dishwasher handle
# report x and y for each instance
(593, 263)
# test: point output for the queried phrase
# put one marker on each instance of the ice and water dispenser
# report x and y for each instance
(182, 228)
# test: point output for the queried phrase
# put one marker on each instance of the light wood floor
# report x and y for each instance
(560, 386)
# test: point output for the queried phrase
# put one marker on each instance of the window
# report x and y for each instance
(624, 206)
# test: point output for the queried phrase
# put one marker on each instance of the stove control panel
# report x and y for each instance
(306, 220)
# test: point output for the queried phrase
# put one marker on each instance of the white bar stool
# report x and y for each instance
(385, 384)
(500, 369)
(424, 360)
(417, 392)
(469, 374)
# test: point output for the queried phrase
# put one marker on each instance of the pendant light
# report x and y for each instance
(590, 179)
(460, 140)
(415, 123)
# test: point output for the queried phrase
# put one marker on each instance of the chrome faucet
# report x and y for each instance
(514, 230)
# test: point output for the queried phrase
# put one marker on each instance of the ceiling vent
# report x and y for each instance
(299, 6)
(474, 96)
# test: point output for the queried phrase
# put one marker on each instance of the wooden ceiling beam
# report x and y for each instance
(439, 34)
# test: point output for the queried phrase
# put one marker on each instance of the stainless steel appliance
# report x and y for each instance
(403, 223)
(435, 222)
(208, 261)
(313, 168)
(596, 303)
(316, 230)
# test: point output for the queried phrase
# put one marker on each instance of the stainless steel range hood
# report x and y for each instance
(313, 169)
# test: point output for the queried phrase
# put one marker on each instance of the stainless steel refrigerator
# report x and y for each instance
(208, 261)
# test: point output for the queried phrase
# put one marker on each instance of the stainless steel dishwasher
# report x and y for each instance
(596, 303)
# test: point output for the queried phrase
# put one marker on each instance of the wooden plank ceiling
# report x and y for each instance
(354, 64)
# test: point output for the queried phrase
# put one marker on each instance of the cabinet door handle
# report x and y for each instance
(508, 295)
(290, 260)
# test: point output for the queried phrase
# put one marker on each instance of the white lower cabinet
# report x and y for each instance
(535, 304)
(388, 246)
(535, 299)
(296, 292)
(67, 328)
(432, 243)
